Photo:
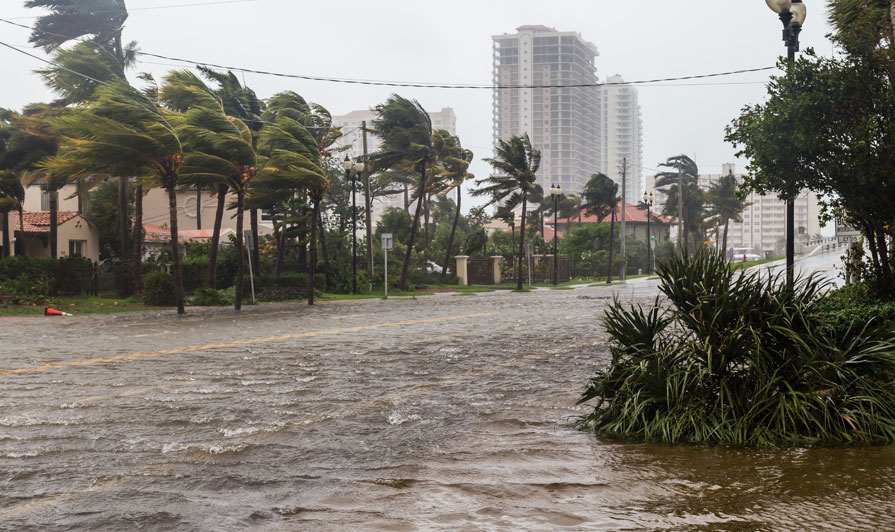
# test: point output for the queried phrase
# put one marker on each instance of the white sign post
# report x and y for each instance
(250, 245)
(528, 251)
(386, 246)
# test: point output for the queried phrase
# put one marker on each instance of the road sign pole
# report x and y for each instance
(385, 283)
(386, 246)
(251, 245)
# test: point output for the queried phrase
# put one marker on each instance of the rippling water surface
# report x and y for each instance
(443, 413)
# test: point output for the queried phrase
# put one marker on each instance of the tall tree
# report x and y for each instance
(102, 54)
(218, 149)
(600, 196)
(406, 132)
(12, 194)
(724, 205)
(516, 164)
(121, 132)
(454, 161)
(684, 173)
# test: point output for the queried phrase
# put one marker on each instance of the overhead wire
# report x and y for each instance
(422, 84)
(153, 8)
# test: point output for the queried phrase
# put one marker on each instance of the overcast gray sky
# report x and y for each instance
(450, 42)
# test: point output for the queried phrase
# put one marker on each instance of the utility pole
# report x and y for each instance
(623, 275)
(680, 207)
(368, 205)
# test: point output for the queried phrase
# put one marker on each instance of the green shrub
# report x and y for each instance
(738, 359)
(206, 297)
(855, 305)
(158, 290)
(195, 273)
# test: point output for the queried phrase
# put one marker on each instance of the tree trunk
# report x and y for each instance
(450, 246)
(122, 215)
(281, 246)
(521, 244)
(256, 251)
(406, 199)
(240, 249)
(416, 221)
(326, 265)
(54, 224)
(726, 227)
(138, 239)
(175, 249)
(513, 239)
(198, 208)
(611, 235)
(883, 250)
(6, 238)
(20, 239)
(312, 270)
(216, 237)
(426, 197)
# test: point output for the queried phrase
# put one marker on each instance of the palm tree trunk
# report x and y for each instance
(406, 199)
(138, 239)
(6, 238)
(726, 227)
(280, 235)
(450, 246)
(416, 221)
(198, 208)
(521, 244)
(256, 254)
(20, 239)
(611, 238)
(326, 265)
(240, 249)
(54, 224)
(175, 248)
(122, 216)
(513, 239)
(216, 237)
(426, 197)
(312, 270)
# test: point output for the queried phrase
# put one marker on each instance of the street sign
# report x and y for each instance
(250, 242)
(652, 237)
(528, 248)
(387, 241)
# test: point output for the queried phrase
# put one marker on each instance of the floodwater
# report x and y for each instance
(442, 413)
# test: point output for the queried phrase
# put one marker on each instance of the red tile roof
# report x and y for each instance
(633, 214)
(39, 221)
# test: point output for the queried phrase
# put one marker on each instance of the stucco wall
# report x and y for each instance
(78, 229)
(155, 211)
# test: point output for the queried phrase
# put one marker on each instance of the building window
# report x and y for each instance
(76, 248)
(44, 201)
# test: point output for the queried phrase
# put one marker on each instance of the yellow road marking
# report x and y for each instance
(248, 341)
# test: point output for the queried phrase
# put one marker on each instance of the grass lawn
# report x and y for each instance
(744, 265)
(372, 295)
(104, 304)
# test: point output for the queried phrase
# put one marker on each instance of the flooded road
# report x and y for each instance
(441, 413)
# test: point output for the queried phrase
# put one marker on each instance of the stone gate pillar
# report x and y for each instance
(462, 272)
(495, 268)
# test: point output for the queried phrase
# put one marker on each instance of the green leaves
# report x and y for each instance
(741, 359)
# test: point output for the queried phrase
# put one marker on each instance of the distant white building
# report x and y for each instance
(764, 219)
(623, 137)
(353, 137)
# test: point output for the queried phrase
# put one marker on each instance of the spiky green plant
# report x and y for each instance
(741, 359)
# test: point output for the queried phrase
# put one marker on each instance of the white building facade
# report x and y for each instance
(531, 69)
(623, 137)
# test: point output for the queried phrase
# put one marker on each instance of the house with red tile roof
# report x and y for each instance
(157, 236)
(75, 235)
(635, 223)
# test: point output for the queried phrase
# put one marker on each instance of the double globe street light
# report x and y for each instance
(648, 201)
(358, 167)
(556, 192)
(792, 15)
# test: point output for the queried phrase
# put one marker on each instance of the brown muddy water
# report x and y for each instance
(443, 413)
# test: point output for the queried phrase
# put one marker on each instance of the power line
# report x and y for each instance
(85, 76)
(151, 8)
(421, 84)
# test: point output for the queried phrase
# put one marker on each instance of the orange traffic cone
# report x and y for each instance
(54, 312)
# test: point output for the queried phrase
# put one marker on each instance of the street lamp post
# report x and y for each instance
(358, 168)
(792, 15)
(555, 191)
(648, 199)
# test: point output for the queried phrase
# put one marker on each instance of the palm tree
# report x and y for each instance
(218, 148)
(684, 177)
(600, 196)
(516, 164)
(121, 132)
(406, 132)
(293, 167)
(454, 161)
(103, 56)
(724, 205)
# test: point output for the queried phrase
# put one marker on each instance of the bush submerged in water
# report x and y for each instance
(738, 359)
